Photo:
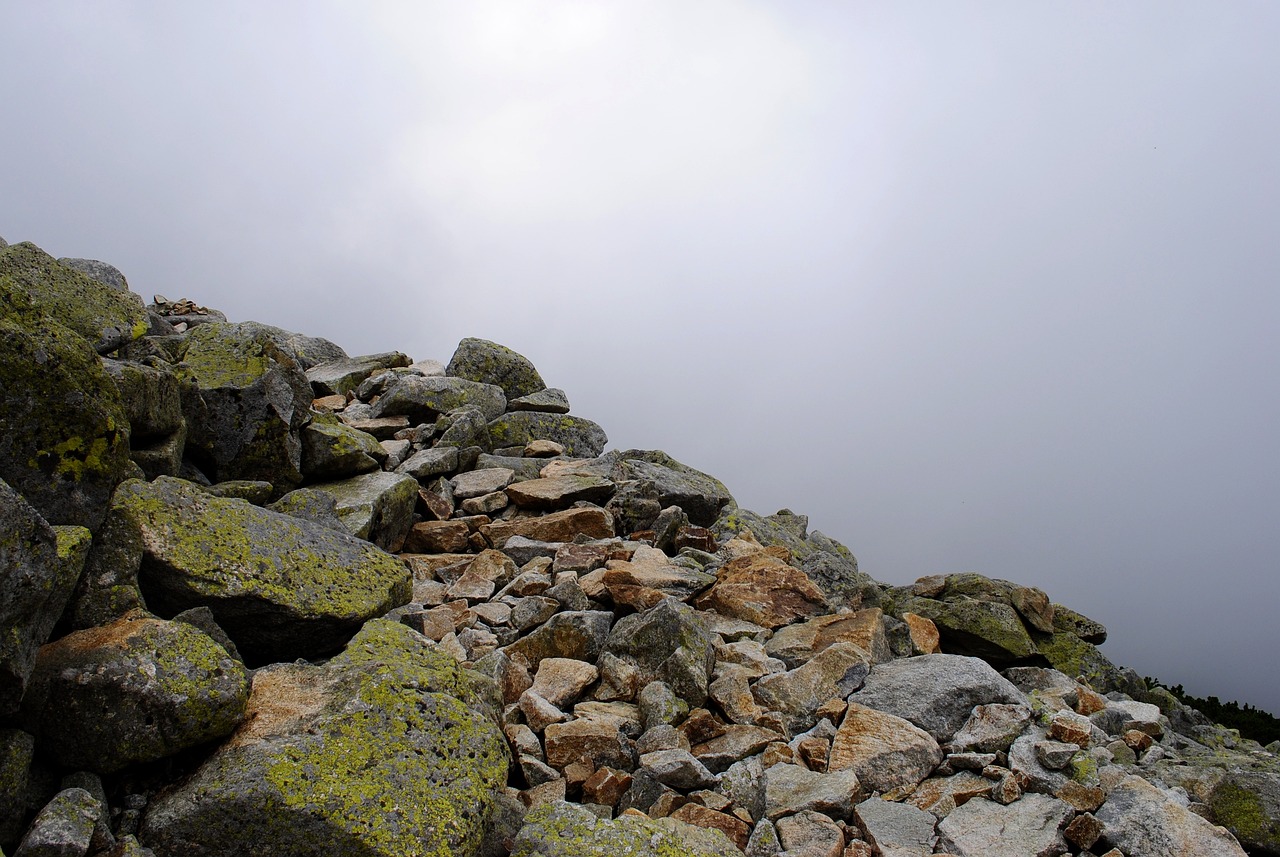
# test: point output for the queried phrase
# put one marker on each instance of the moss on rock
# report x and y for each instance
(564, 830)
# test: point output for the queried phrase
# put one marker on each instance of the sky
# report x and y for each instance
(977, 286)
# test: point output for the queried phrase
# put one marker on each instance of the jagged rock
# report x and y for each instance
(332, 449)
(1066, 619)
(549, 401)
(576, 634)
(925, 639)
(490, 363)
(152, 399)
(886, 752)
(581, 438)
(422, 399)
(253, 399)
(668, 643)
(64, 434)
(737, 831)
(895, 829)
(281, 587)
(1248, 804)
(167, 685)
(699, 495)
(39, 567)
(835, 672)
(659, 705)
(327, 752)
(559, 492)
(1030, 826)
(678, 769)
(1142, 821)
(565, 830)
(596, 739)
(951, 791)
(463, 428)
(796, 644)
(476, 483)
(436, 461)
(446, 537)
(561, 681)
(791, 788)
(376, 507)
(987, 629)
(66, 827)
(991, 728)
(310, 504)
(935, 692)
(738, 742)
(763, 589)
(650, 569)
(810, 834)
(564, 526)
(344, 375)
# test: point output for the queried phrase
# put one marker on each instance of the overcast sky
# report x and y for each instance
(976, 286)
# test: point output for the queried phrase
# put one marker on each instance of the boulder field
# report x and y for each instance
(261, 597)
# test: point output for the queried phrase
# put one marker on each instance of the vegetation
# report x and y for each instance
(1251, 722)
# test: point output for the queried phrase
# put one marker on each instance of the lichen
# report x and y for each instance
(1241, 811)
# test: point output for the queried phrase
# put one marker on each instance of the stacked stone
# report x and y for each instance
(264, 597)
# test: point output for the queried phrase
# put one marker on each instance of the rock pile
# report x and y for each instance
(262, 597)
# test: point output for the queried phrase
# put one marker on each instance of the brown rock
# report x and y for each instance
(595, 739)
(960, 787)
(1071, 728)
(543, 449)
(444, 566)
(735, 744)
(548, 792)
(814, 752)
(796, 644)
(580, 558)
(592, 522)
(763, 589)
(559, 492)
(925, 639)
(329, 403)
(1088, 702)
(1081, 797)
(701, 816)
(383, 428)
(486, 504)
(561, 681)
(1083, 831)
(1034, 607)
(606, 786)
(886, 752)
(930, 587)
(732, 692)
(810, 833)
(538, 712)
(698, 538)
(436, 505)
(651, 569)
(1137, 740)
(438, 537)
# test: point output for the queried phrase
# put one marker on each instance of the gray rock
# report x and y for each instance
(1143, 821)
(764, 840)
(152, 399)
(744, 784)
(991, 728)
(810, 834)
(326, 751)
(36, 582)
(578, 634)
(490, 363)
(476, 483)
(936, 692)
(376, 507)
(1029, 826)
(580, 437)
(168, 686)
(699, 495)
(65, 827)
(791, 788)
(678, 769)
(1248, 804)
(559, 492)
(523, 550)
(253, 399)
(332, 450)
(344, 375)
(549, 401)
(422, 400)
(1024, 760)
(17, 751)
(896, 829)
(281, 587)
(310, 504)
(835, 672)
(108, 275)
(659, 706)
(435, 461)
(562, 829)
(671, 643)
(886, 752)
(464, 427)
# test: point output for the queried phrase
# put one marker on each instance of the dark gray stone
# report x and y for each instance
(490, 363)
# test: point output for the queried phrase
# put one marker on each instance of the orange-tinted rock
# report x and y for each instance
(692, 813)
(925, 639)
(593, 522)
(763, 589)
(438, 537)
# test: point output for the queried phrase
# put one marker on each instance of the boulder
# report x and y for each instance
(577, 634)
(1248, 804)
(253, 399)
(167, 686)
(789, 789)
(834, 673)
(699, 495)
(560, 829)
(1029, 826)
(102, 272)
(895, 829)
(549, 401)
(423, 399)
(564, 526)
(490, 363)
(886, 752)
(342, 376)
(796, 644)
(670, 643)
(581, 438)
(376, 507)
(991, 728)
(935, 692)
(990, 630)
(559, 492)
(64, 433)
(37, 578)
(388, 749)
(1142, 821)
(331, 449)
(68, 826)
(152, 399)
(763, 589)
(281, 587)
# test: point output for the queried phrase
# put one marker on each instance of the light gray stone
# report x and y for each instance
(1030, 827)
(896, 829)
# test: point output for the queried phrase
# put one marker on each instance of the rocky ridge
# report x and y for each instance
(262, 597)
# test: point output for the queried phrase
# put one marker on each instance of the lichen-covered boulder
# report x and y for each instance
(343, 376)
(331, 449)
(561, 829)
(108, 586)
(1248, 804)
(424, 398)
(388, 749)
(152, 399)
(991, 630)
(1143, 821)
(95, 311)
(376, 507)
(491, 363)
(581, 438)
(281, 587)
(70, 825)
(164, 686)
(37, 577)
(700, 496)
(102, 272)
(17, 750)
(254, 399)
(670, 643)
(64, 436)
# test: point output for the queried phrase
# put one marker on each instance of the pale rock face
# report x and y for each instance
(1143, 821)
(886, 752)
(1031, 825)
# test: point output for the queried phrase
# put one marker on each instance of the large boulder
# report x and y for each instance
(64, 435)
(152, 399)
(166, 685)
(700, 496)
(991, 630)
(253, 399)
(581, 438)
(342, 376)
(1032, 825)
(670, 643)
(331, 449)
(491, 363)
(389, 749)
(1248, 804)
(561, 829)
(281, 587)
(763, 589)
(1143, 821)
(424, 398)
(36, 581)
(376, 507)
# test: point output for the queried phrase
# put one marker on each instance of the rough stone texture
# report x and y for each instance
(700, 496)
(281, 587)
(342, 376)
(559, 492)
(436, 461)
(1030, 827)
(490, 363)
(331, 449)
(565, 830)
(678, 769)
(17, 750)
(388, 749)
(594, 523)
(167, 685)
(811, 834)
(895, 829)
(970, 626)
(103, 272)
(64, 828)
(1142, 821)
(581, 438)
(1248, 804)
(422, 399)
(791, 788)
(36, 582)
(596, 739)
(254, 399)
(886, 752)
(991, 728)
(551, 401)
(376, 507)
(670, 643)
(935, 692)
(795, 644)
(576, 634)
(64, 434)
(836, 672)
(763, 589)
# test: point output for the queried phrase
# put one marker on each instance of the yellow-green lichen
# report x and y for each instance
(1243, 813)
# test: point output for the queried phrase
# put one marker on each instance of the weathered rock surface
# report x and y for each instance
(565, 830)
(886, 752)
(1143, 821)
(1030, 826)
(490, 363)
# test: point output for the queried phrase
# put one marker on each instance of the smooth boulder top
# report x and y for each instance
(490, 363)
